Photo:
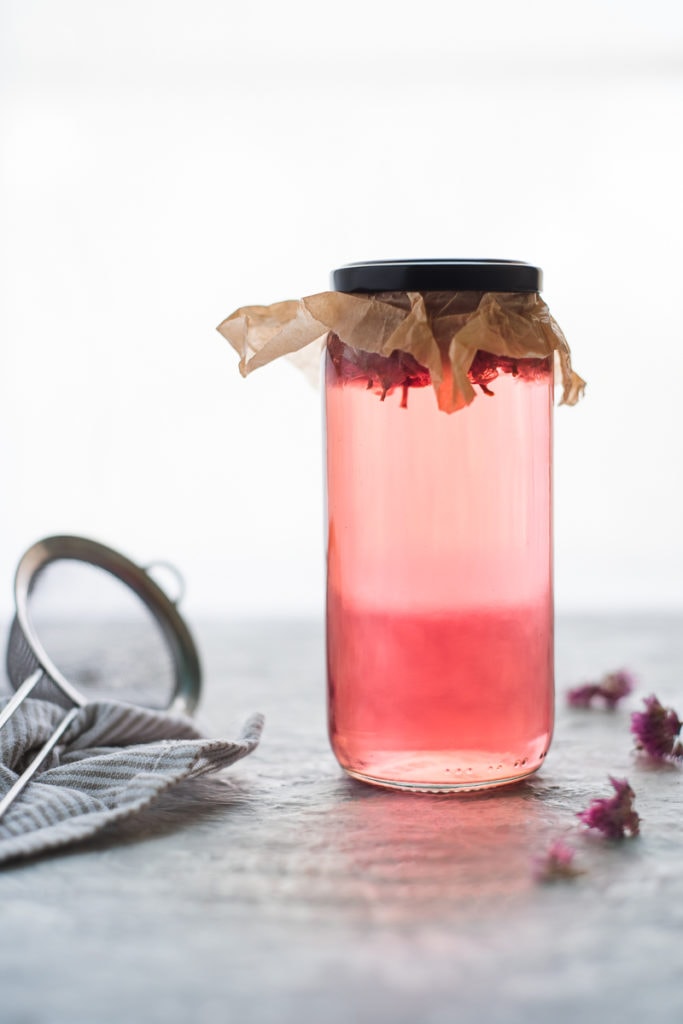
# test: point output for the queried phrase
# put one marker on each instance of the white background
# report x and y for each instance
(165, 162)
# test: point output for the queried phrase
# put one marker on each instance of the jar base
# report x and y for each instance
(439, 787)
(444, 773)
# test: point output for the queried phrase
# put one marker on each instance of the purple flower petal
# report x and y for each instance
(656, 730)
(612, 688)
(581, 696)
(613, 816)
(556, 863)
(616, 685)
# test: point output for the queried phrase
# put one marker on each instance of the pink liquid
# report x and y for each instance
(439, 625)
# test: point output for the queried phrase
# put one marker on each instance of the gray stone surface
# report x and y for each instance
(294, 894)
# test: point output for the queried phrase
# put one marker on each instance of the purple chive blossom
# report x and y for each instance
(581, 696)
(615, 686)
(613, 816)
(657, 730)
(556, 863)
(611, 689)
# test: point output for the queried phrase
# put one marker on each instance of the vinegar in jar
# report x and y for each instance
(439, 582)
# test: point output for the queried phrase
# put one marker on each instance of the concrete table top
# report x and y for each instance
(295, 894)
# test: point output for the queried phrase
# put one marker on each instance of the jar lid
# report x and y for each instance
(438, 276)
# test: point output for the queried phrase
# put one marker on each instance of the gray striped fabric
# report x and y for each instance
(113, 760)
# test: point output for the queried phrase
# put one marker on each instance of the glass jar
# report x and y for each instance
(439, 554)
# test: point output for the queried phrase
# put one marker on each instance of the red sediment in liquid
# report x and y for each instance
(439, 576)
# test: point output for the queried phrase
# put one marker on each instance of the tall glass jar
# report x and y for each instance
(439, 557)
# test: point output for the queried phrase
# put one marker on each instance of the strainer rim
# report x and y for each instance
(186, 664)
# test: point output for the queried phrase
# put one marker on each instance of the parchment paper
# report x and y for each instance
(441, 330)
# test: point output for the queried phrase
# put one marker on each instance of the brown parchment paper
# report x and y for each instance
(441, 330)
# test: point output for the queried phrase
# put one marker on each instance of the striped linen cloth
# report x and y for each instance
(113, 760)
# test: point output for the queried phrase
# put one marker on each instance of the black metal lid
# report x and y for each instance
(438, 276)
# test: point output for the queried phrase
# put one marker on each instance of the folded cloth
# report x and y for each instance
(113, 760)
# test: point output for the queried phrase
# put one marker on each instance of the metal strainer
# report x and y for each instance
(91, 624)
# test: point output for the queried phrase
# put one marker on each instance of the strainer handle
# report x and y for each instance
(19, 697)
(174, 571)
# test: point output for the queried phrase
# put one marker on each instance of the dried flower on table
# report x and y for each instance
(611, 689)
(657, 730)
(613, 816)
(557, 863)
